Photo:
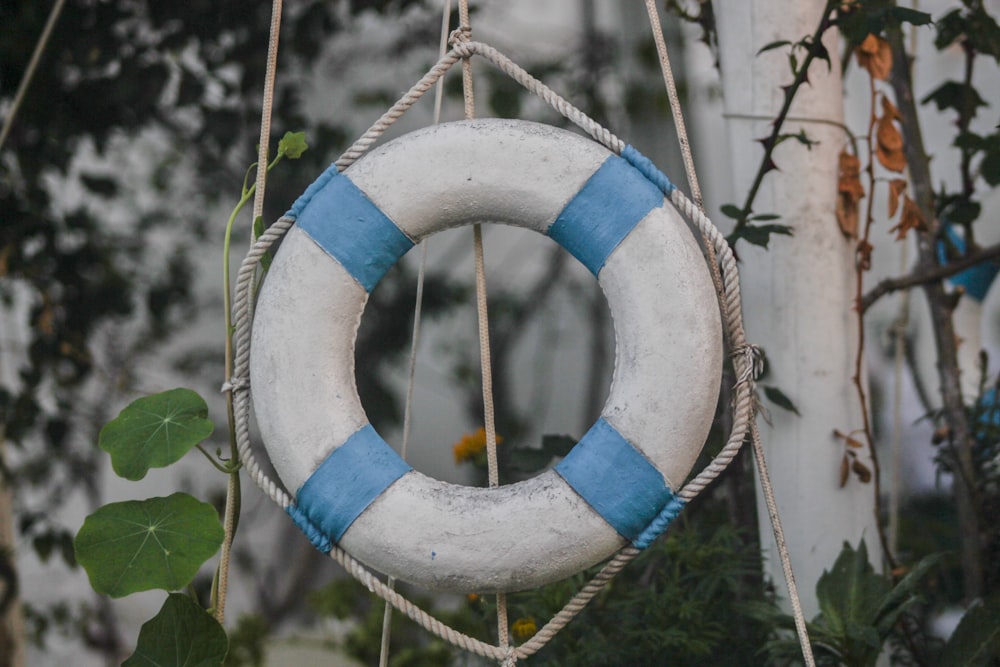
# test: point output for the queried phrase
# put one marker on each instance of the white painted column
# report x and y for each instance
(799, 294)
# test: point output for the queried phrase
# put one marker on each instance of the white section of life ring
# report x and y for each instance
(662, 399)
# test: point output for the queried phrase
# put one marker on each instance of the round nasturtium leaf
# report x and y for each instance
(155, 431)
(182, 634)
(140, 545)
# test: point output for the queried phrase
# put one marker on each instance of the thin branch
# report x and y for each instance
(801, 77)
(922, 276)
(941, 318)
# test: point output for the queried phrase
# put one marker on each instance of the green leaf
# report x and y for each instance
(139, 545)
(558, 445)
(773, 45)
(778, 397)
(182, 634)
(732, 211)
(850, 594)
(961, 97)
(759, 235)
(293, 145)
(963, 211)
(990, 167)
(762, 217)
(970, 141)
(529, 459)
(155, 431)
(911, 16)
(977, 637)
(903, 594)
(949, 27)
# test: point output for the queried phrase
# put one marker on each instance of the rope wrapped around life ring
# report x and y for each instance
(351, 488)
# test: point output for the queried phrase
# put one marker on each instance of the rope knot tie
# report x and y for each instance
(235, 384)
(509, 660)
(459, 39)
(753, 362)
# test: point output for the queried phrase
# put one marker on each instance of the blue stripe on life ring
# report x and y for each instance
(348, 481)
(615, 479)
(604, 211)
(341, 219)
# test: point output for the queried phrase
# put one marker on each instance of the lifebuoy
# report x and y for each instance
(352, 488)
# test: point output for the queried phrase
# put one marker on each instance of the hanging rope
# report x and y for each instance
(745, 358)
(463, 35)
(263, 156)
(758, 449)
(29, 72)
(675, 102)
(383, 660)
(231, 511)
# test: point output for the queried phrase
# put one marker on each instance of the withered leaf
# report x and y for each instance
(875, 55)
(862, 471)
(849, 193)
(853, 442)
(845, 470)
(910, 218)
(889, 139)
(897, 186)
(889, 109)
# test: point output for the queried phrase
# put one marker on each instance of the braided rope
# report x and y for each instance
(746, 360)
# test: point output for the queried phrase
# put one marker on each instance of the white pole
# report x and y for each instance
(799, 294)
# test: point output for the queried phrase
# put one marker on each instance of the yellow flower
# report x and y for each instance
(471, 445)
(524, 628)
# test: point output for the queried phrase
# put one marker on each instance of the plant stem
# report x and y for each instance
(220, 583)
(862, 265)
(922, 276)
(801, 77)
(940, 311)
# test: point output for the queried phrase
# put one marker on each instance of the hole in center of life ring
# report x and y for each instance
(552, 352)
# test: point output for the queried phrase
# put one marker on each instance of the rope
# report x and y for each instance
(675, 102)
(779, 538)
(383, 659)
(745, 357)
(230, 516)
(265, 115)
(464, 35)
(751, 370)
(29, 73)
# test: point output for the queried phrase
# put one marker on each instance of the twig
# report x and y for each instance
(862, 265)
(940, 311)
(801, 77)
(923, 276)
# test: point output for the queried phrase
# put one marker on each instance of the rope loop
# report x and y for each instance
(235, 384)
(746, 357)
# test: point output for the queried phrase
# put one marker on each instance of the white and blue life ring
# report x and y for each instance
(352, 489)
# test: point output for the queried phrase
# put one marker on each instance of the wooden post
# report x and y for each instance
(799, 294)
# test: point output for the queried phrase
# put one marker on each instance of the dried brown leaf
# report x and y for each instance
(910, 218)
(845, 470)
(889, 109)
(875, 55)
(849, 193)
(862, 471)
(890, 144)
(897, 186)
